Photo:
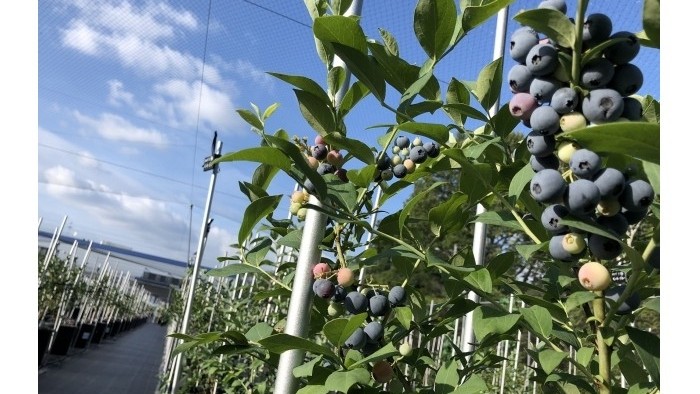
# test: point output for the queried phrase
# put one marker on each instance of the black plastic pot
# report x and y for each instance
(62, 341)
(99, 332)
(84, 336)
(44, 338)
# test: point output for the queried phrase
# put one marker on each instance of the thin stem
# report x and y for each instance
(578, 43)
(603, 349)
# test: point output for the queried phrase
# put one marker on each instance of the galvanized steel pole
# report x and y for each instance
(468, 338)
(299, 311)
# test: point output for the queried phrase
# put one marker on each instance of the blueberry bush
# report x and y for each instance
(581, 188)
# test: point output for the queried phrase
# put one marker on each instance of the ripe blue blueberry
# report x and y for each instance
(418, 154)
(581, 196)
(402, 141)
(559, 5)
(545, 120)
(324, 288)
(629, 305)
(357, 339)
(627, 80)
(379, 305)
(340, 294)
(397, 296)
(637, 195)
(564, 100)
(610, 182)
(400, 171)
(519, 79)
(602, 105)
(603, 248)
(585, 163)
(542, 60)
(319, 152)
(552, 216)
(617, 224)
(325, 168)
(597, 73)
(556, 249)
(383, 163)
(634, 217)
(355, 302)
(550, 161)
(432, 149)
(547, 186)
(374, 331)
(596, 29)
(623, 52)
(521, 41)
(540, 145)
(543, 88)
(633, 109)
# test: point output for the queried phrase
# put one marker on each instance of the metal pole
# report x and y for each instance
(468, 338)
(198, 261)
(300, 301)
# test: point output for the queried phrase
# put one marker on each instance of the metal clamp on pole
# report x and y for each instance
(206, 223)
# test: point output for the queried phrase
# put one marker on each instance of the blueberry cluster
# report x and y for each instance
(343, 295)
(325, 160)
(543, 101)
(407, 155)
(299, 198)
(545, 104)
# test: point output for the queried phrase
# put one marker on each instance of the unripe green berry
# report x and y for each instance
(417, 142)
(608, 207)
(301, 213)
(573, 243)
(572, 121)
(405, 349)
(335, 309)
(294, 208)
(566, 150)
(396, 160)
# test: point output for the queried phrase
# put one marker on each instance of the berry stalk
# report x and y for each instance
(578, 43)
(603, 349)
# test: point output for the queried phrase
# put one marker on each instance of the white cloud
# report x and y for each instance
(117, 94)
(114, 127)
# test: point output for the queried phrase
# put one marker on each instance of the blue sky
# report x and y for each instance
(128, 103)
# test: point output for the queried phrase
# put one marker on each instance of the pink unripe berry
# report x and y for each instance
(594, 276)
(410, 165)
(335, 158)
(346, 277)
(321, 269)
(521, 105)
(313, 163)
(319, 140)
(298, 197)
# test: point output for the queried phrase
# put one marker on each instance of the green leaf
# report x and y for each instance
(488, 84)
(250, 118)
(316, 112)
(425, 75)
(336, 78)
(292, 151)
(447, 378)
(503, 219)
(475, 384)
(404, 316)
(500, 264)
(488, 320)
(306, 85)
(651, 20)
(388, 350)
(457, 93)
(292, 239)
(651, 109)
(480, 280)
(474, 15)
(258, 332)
(254, 213)
(460, 112)
(647, 346)
(279, 343)
(392, 47)
(353, 323)
(333, 330)
(527, 250)
(595, 52)
(433, 24)
(449, 215)
(257, 254)
(550, 359)
(635, 139)
(355, 147)
(363, 69)
(340, 30)
(539, 319)
(577, 299)
(437, 132)
(342, 381)
(551, 23)
(653, 172)
(653, 303)
(520, 180)
(352, 96)
(408, 206)
(584, 355)
(362, 177)
(264, 154)
(270, 110)
(502, 123)
(306, 369)
(233, 269)
(554, 309)
(263, 175)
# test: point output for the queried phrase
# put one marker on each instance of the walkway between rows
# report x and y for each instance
(129, 363)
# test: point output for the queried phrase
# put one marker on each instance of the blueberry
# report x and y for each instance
(319, 152)
(521, 41)
(540, 145)
(617, 224)
(340, 294)
(585, 163)
(402, 141)
(633, 109)
(325, 168)
(542, 60)
(387, 174)
(547, 186)
(432, 148)
(597, 73)
(545, 162)
(559, 5)
(324, 288)
(622, 52)
(631, 303)
(357, 339)
(627, 80)
(399, 171)
(582, 196)
(545, 120)
(383, 163)
(521, 105)
(556, 249)
(610, 182)
(374, 331)
(519, 79)
(309, 186)
(564, 100)
(637, 195)
(543, 88)
(552, 216)
(418, 154)
(397, 296)
(603, 248)
(355, 302)
(602, 105)
(634, 217)
(596, 29)
(379, 305)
